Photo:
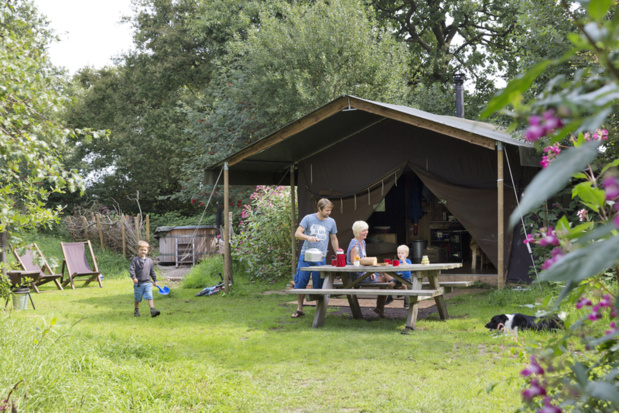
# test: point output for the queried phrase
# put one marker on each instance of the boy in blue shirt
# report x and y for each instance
(403, 252)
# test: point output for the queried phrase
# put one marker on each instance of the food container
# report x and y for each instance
(313, 255)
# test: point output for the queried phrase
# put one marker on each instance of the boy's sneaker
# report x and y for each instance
(389, 300)
(154, 312)
(136, 312)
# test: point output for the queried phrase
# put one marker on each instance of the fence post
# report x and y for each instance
(85, 223)
(122, 231)
(100, 232)
(137, 227)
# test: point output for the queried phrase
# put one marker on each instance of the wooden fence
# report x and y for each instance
(119, 233)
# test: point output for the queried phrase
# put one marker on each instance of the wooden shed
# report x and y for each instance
(185, 244)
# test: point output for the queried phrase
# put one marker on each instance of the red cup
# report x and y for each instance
(396, 263)
(387, 261)
(333, 262)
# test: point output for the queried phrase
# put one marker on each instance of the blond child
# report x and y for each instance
(142, 271)
(403, 252)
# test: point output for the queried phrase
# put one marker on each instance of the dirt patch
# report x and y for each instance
(171, 273)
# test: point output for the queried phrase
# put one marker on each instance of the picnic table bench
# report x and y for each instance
(448, 286)
(352, 291)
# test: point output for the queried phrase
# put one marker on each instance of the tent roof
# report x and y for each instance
(268, 160)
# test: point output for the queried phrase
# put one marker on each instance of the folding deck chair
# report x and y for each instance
(28, 262)
(76, 262)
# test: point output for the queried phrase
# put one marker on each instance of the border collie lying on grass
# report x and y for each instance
(524, 322)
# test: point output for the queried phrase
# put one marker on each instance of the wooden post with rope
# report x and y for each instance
(293, 223)
(226, 234)
(500, 218)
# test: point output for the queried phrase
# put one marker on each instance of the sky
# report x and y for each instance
(90, 31)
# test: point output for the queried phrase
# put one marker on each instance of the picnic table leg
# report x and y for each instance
(413, 310)
(439, 299)
(353, 302)
(322, 302)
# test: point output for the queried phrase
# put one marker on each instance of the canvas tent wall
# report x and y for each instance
(353, 150)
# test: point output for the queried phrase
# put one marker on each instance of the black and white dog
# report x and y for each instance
(524, 322)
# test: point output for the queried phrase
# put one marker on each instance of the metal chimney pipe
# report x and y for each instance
(459, 81)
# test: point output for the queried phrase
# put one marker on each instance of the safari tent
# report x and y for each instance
(386, 163)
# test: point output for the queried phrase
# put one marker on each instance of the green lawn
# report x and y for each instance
(243, 352)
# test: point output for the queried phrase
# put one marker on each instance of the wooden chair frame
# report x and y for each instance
(73, 270)
(45, 274)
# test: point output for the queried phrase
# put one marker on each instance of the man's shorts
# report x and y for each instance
(144, 290)
(301, 278)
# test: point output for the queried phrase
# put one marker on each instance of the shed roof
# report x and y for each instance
(267, 161)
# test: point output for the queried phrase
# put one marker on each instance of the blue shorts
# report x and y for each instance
(144, 290)
(301, 278)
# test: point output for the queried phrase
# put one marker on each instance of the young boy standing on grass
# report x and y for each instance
(142, 270)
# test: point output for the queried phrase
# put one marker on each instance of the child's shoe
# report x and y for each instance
(389, 300)
(136, 312)
(154, 312)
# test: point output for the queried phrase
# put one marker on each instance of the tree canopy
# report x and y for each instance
(31, 136)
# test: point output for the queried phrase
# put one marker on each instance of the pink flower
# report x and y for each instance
(584, 301)
(582, 215)
(550, 238)
(548, 408)
(533, 391)
(529, 239)
(556, 254)
(533, 368)
(534, 133)
(611, 187)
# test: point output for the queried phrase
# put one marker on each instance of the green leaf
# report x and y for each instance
(580, 372)
(597, 9)
(551, 180)
(598, 233)
(610, 165)
(593, 197)
(603, 391)
(515, 89)
(584, 262)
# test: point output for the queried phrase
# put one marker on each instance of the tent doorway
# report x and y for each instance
(411, 214)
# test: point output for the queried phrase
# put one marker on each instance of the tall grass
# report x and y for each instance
(82, 350)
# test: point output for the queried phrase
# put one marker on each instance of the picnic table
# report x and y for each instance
(351, 288)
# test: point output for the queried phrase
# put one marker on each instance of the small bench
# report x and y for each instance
(450, 285)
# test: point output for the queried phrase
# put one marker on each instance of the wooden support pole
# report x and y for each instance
(500, 220)
(293, 222)
(122, 232)
(100, 232)
(85, 224)
(227, 257)
(148, 228)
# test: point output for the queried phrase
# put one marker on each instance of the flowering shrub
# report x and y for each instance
(579, 371)
(263, 243)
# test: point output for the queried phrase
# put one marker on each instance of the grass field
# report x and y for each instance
(82, 350)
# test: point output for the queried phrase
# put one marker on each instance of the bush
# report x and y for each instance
(263, 244)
